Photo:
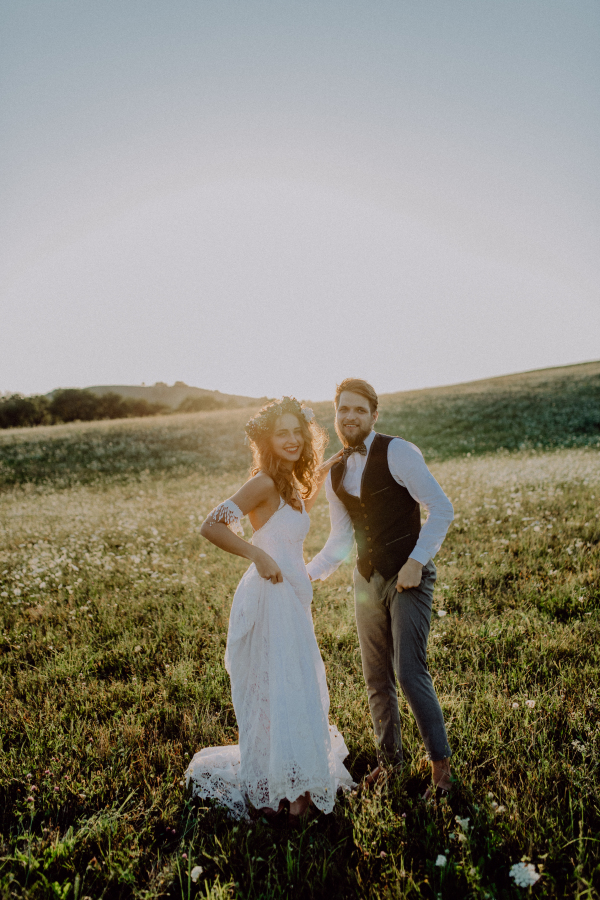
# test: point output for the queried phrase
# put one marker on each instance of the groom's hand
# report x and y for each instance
(409, 575)
(324, 468)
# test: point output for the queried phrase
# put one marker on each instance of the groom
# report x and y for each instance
(374, 495)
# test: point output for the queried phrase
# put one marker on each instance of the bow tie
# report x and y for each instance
(348, 451)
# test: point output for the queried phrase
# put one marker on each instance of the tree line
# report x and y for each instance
(70, 405)
(75, 404)
(82, 405)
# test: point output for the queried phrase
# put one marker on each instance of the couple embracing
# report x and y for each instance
(289, 755)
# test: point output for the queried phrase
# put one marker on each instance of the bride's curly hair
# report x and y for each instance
(260, 429)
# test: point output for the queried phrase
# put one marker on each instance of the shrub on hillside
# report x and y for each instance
(113, 406)
(17, 411)
(72, 405)
(135, 407)
(201, 404)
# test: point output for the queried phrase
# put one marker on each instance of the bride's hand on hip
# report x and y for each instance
(267, 568)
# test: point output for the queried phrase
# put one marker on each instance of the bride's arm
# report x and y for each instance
(215, 527)
(321, 476)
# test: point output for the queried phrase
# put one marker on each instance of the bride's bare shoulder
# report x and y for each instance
(261, 485)
(261, 480)
(259, 489)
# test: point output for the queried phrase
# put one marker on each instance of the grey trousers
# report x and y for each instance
(393, 629)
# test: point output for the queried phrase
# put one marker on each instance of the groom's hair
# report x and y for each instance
(357, 386)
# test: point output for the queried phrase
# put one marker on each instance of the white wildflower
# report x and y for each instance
(464, 823)
(530, 703)
(442, 612)
(308, 413)
(515, 705)
(524, 874)
(441, 860)
(196, 873)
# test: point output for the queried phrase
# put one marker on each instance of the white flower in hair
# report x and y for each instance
(308, 413)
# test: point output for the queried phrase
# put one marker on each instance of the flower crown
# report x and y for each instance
(263, 421)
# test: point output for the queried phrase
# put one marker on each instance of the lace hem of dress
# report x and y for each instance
(229, 514)
(214, 774)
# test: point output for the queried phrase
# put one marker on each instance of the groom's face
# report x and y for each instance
(353, 418)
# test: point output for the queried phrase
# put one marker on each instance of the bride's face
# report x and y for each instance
(287, 440)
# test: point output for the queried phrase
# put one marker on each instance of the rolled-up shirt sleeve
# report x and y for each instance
(408, 468)
(340, 540)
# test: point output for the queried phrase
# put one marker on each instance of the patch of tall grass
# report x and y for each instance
(120, 450)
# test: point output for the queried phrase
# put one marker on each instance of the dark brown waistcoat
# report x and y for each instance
(386, 519)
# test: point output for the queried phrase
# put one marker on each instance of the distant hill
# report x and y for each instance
(174, 395)
(558, 407)
(556, 376)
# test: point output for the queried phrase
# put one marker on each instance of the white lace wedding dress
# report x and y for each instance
(278, 686)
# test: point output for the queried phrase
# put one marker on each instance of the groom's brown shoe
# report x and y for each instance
(442, 781)
(374, 778)
(379, 777)
(437, 792)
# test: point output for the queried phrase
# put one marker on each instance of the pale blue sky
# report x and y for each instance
(265, 197)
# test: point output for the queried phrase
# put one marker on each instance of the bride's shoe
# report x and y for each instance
(299, 811)
(270, 814)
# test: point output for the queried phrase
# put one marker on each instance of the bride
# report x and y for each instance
(288, 751)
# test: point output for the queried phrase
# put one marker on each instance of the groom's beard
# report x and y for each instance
(353, 440)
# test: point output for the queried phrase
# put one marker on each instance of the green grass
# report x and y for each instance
(111, 665)
(537, 410)
(541, 410)
(120, 450)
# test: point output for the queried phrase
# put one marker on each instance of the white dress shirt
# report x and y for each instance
(409, 469)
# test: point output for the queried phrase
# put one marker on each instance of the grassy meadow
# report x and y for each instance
(114, 620)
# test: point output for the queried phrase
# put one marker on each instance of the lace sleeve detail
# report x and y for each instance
(229, 514)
